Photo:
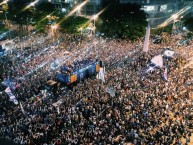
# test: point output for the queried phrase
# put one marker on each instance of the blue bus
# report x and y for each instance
(68, 76)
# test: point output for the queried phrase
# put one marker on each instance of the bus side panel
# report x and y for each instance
(92, 70)
(67, 78)
(81, 75)
(61, 78)
(73, 78)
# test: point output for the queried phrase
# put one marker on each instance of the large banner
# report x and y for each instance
(101, 75)
(11, 96)
(92, 70)
(111, 91)
(82, 74)
(157, 60)
(9, 83)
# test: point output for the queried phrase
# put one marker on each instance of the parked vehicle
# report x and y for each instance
(69, 77)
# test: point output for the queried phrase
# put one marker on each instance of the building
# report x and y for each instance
(158, 11)
(59, 4)
(91, 7)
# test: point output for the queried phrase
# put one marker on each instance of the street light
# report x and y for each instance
(78, 11)
(4, 2)
(181, 22)
(174, 17)
(99, 35)
(94, 18)
(53, 28)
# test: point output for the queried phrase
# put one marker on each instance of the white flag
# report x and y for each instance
(22, 108)
(157, 60)
(146, 41)
(11, 96)
(101, 75)
(149, 69)
(58, 110)
(169, 53)
(111, 91)
(97, 76)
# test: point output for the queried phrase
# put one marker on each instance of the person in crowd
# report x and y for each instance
(148, 111)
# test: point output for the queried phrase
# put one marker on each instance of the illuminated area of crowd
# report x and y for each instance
(143, 110)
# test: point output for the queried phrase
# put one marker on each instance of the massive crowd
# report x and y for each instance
(144, 111)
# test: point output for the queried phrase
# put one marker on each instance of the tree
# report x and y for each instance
(105, 3)
(45, 7)
(123, 21)
(167, 29)
(74, 24)
(18, 14)
(189, 23)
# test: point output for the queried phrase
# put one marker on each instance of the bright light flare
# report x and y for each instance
(30, 5)
(80, 29)
(4, 2)
(175, 16)
(47, 17)
(77, 8)
(54, 27)
(74, 10)
(95, 16)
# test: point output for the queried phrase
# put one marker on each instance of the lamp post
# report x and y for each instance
(33, 5)
(53, 28)
(181, 22)
(94, 18)
(174, 17)
(78, 11)
(99, 35)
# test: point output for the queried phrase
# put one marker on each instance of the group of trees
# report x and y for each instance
(20, 13)
(74, 24)
(189, 23)
(123, 21)
(167, 29)
(117, 20)
(40, 16)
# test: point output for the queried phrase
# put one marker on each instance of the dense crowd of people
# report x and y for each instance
(144, 111)
(77, 64)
